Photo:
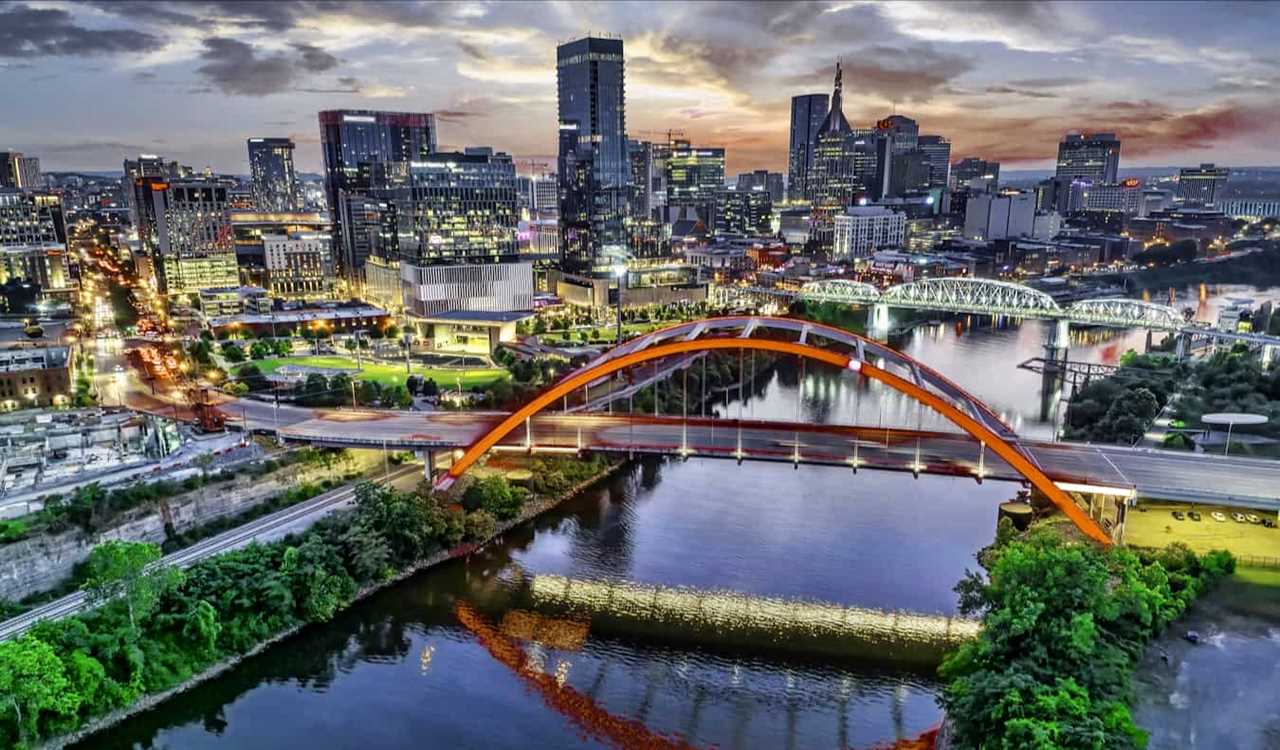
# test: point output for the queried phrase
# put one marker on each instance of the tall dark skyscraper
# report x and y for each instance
(1091, 156)
(938, 154)
(352, 141)
(903, 132)
(807, 113)
(593, 163)
(275, 184)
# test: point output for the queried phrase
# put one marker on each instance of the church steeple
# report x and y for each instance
(835, 122)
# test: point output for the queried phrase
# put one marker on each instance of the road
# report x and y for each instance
(273, 526)
(1155, 474)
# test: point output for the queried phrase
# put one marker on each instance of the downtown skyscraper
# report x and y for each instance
(275, 183)
(353, 140)
(1090, 156)
(593, 164)
(807, 113)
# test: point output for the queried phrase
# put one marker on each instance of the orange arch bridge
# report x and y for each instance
(838, 348)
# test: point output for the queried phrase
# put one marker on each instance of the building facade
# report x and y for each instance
(1203, 185)
(1250, 208)
(861, 230)
(195, 248)
(275, 183)
(807, 113)
(771, 182)
(1091, 156)
(593, 165)
(21, 172)
(994, 217)
(937, 152)
(352, 140)
(695, 178)
(297, 266)
(976, 174)
(746, 211)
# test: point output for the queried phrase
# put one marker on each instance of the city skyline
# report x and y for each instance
(1002, 81)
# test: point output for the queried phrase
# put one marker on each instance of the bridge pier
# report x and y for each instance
(1181, 345)
(878, 325)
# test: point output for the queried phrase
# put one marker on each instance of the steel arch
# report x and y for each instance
(1126, 312)
(840, 290)
(644, 350)
(967, 294)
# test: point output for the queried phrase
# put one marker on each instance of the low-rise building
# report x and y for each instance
(34, 375)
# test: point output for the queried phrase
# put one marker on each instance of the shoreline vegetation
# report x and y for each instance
(160, 632)
(1064, 628)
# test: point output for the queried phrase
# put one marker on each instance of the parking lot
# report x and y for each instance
(1155, 527)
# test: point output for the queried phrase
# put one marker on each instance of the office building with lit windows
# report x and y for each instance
(194, 245)
(807, 114)
(593, 163)
(1090, 156)
(275, 184)
(861, 230)
(1202, 185)
(695, 177)
(352, 141)
(19, 171)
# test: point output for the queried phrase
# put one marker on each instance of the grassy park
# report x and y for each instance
(386, 374)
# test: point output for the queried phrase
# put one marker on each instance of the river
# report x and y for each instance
(406, 669)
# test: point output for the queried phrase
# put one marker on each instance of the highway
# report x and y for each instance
(1154, 474)
(269, 527)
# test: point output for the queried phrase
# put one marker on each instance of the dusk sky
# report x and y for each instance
(88, 84)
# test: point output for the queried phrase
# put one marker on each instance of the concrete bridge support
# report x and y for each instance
(1181, 346)
(878, 325)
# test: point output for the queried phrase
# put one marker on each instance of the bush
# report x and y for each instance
(479, 526)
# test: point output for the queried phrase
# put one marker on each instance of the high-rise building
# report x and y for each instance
(695, 177)
(275, 184)
(249, 230)
(903, 132)
(848, 165)
(640, 154)
(1092, 156)
(937, 152)
(910, 173)
(136, 193)
(1203, 185)
(807, 113)
(1122, 197)
(861, 230)
(593, 164)
(31, 218)
(18, 171)
(975, 173)
(352, 141)
(297, 266)
(771, 182)
(195, 247)
(744, 210)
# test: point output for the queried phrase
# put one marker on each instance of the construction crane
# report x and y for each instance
(670, 134)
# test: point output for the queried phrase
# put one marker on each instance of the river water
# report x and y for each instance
(409, 668)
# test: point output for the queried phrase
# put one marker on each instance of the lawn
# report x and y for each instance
(606, 333)
(388, 374)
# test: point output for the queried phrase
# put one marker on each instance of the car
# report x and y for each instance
(1254, 518)
(1179, 515)
(1238, 518)
(1194, 515)
(1219, 517)
(1268, 523)
(119, 368)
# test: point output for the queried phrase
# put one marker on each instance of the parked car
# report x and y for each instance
(1194, 515)
(1254, 518)
(1179, 515)
(1238, 518)
(1219, 517)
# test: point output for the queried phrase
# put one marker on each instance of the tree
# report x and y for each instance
(368, 392)
(33, 682)
(251, 376)
(494, 495)
(232, 352)
(479, 525)
(118, 569)
(429, 388)
(351, 345)
(260, 350)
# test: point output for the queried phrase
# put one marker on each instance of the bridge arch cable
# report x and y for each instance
(840, 291)
(969, 295)
(869, 358)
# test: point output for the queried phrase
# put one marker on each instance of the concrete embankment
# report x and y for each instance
(730, 619)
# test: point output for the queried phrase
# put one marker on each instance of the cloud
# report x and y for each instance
(1019, 92)
(1025, 25)
(34, 32)
(910, 73)
(235, 67)
(313, 59)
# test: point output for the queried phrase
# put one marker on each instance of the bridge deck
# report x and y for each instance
(1163, 475)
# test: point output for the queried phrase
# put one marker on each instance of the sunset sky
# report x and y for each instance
(87, 84)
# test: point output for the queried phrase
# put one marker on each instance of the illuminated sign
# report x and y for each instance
(1132, 182)
(359, 118)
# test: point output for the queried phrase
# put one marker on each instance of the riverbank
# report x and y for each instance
(1219, 693)
(530, 510)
